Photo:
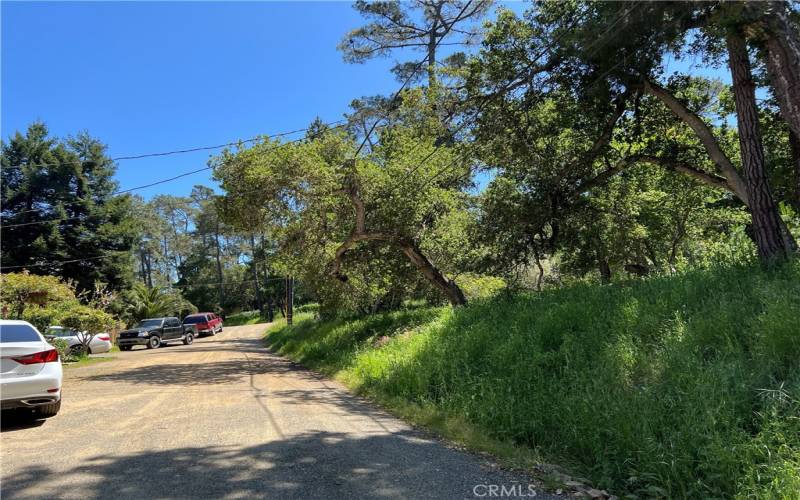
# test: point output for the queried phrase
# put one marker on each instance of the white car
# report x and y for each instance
(99, 343)
(30, 370)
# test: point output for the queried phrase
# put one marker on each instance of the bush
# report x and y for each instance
(476, 286)
(307, 308)
(684, 386)
(65, 352)
(21, 291)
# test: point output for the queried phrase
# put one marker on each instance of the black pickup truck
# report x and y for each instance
(155, 331)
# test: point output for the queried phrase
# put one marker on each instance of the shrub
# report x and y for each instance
(477, 286)
(20, 291)
(88, 320)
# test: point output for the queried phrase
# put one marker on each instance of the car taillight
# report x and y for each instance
(104, 337)
(49, 356)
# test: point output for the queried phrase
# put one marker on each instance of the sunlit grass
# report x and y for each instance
(671, 387)
(245, 318)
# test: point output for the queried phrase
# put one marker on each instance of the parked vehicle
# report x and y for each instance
(205, 322)
(30, 370)
(99, 343)
(155, 331)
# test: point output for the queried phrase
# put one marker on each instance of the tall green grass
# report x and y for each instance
(245, 318)
(681, 387)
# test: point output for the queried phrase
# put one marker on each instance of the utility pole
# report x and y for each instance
(254, 265)
(289, 286)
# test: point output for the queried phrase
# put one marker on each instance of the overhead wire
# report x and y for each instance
(152, 184)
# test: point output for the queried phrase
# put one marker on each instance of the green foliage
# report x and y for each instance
(21, 291)
(143, 302)
(67, 353)
(302, 194)
(480, 287)
(77, 186)
(245, 318)
(43, 317)
(679, 387)
(86, 319)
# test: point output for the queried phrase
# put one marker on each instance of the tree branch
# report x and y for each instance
(677, 166)
(733, 179)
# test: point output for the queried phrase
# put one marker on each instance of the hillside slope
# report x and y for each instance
(685, 386)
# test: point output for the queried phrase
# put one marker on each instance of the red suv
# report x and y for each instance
(205, 322)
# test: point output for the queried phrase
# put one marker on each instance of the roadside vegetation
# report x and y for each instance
(557, 232)
(246, 318)
(685, 386)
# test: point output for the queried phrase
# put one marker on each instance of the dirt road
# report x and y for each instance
(224, 418)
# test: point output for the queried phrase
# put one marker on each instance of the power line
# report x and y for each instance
(168, 153)
(155, 183)
(56, 262)
(69, 261)
(412, 74)
(223, 283)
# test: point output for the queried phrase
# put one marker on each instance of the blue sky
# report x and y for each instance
(150, 77)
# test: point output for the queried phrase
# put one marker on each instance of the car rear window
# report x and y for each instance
(18, 333)
(193, 319)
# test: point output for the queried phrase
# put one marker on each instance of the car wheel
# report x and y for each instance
(124, 348)
(153, 342)
(188, 339)
(47, 411)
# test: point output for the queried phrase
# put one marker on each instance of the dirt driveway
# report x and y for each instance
(224, 418)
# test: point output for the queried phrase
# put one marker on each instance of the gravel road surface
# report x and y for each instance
(225, 418)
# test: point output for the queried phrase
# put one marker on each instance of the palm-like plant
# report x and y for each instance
(146, 302)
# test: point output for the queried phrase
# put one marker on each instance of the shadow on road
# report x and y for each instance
(205, 373)
(15, 420)
(205, 345)
(313, 465)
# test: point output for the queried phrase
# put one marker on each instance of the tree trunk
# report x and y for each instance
(735, 182)
(432, 44)
(605, 270)
(794, 144)
(254, 265)
(149, 268)
(540, 276)
(142, 271)
(766, 219)
(783, 62)
(447, 286)
(220, 289)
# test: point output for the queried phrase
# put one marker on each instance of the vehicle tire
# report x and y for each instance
(124, 348)
(47, 411)
(188, 339)
(154, 342)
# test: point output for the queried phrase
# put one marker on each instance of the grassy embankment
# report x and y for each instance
(244, 318)
(255, 318)
(687, 386)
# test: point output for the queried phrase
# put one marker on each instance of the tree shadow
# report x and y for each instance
(207, 373)
(311, 465)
